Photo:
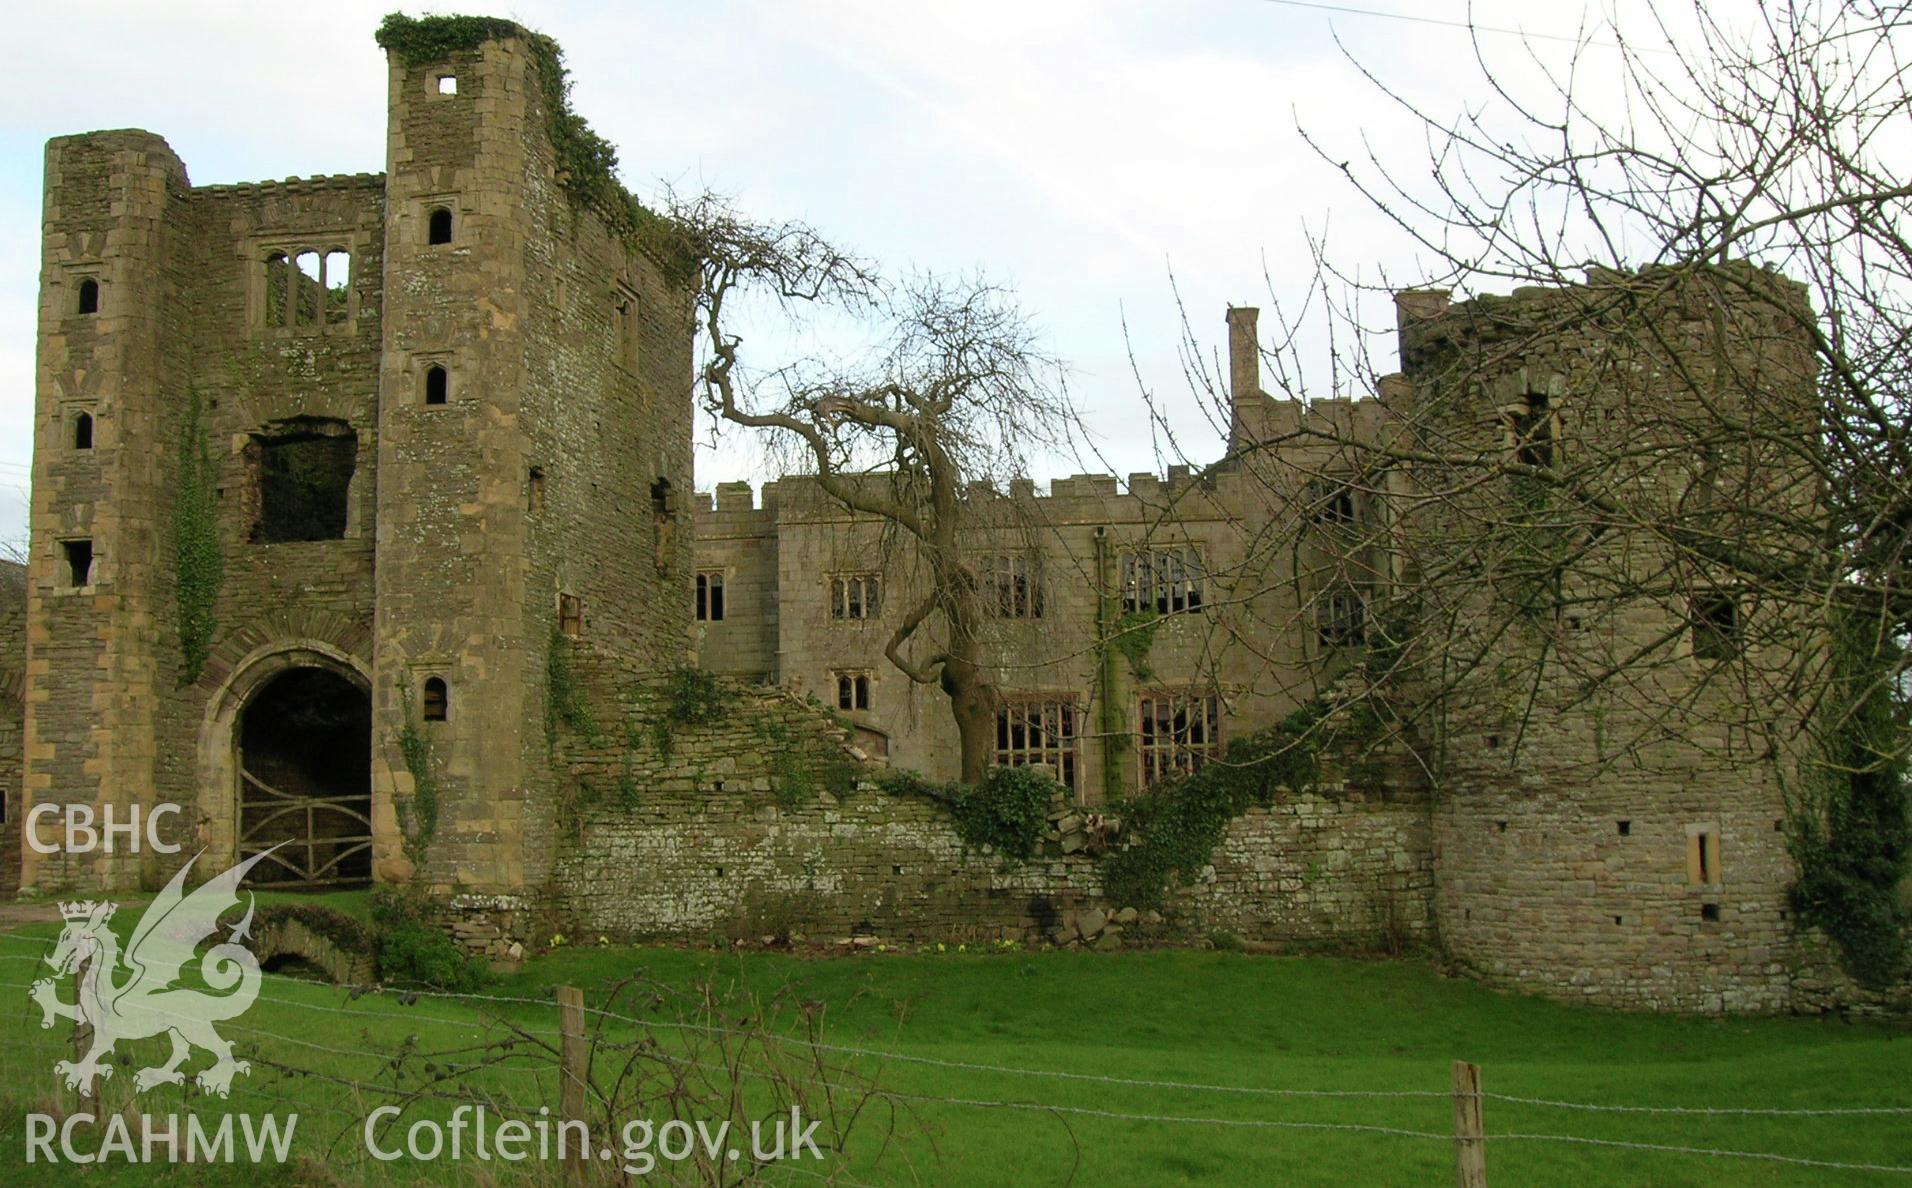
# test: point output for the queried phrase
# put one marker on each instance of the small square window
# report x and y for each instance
(1038, 729)
(303, 481)
(1341, 619)
(1180, 733)
(447, 84)
(1012, 587)
(78, 555)
(1166, 581)
(1716, 627)
(1330, 503)
(1534, 433)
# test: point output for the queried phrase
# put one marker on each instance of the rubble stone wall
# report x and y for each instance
(721, 836)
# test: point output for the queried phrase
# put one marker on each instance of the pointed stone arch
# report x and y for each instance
(218, 759)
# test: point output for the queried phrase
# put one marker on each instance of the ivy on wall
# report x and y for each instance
(1850, 835)
(1135, 638)
(692, 698)
(1172, 830)
(563, 698)
(415, 749)
(586, 162)
(1008, 812)
(797, 779)
(199, 570)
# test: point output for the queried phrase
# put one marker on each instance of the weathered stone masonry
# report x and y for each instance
(710, 842)
(1556, 862)
(447, 416)
(13, 621)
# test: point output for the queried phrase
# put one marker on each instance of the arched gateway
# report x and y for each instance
(285, 758)
(303, 754)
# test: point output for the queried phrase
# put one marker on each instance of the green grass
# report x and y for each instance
(1200, 1017)
(356, 903)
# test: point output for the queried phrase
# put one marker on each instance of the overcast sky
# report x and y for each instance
(1076, 149)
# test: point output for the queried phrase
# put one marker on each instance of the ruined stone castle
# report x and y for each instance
(363, 526)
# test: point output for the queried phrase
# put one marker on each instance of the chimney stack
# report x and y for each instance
(1244, 355)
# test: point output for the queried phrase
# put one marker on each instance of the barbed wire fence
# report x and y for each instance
(668, 1055)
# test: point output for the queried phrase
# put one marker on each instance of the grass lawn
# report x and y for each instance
(1213, 1018)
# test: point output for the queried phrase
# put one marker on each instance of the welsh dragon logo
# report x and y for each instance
(146, 1003)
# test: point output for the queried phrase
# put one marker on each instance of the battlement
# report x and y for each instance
(1259, 421)
(737, 504)
(733, 510)
(373, 182)
(1620, 350)
(1676, 293)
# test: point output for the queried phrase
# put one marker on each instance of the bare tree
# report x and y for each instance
(1670, 484)
(1757, 431)
(951, 404)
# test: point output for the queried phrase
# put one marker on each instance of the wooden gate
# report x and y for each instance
(324, 841)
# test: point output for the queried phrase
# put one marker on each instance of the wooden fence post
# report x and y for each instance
(1470, 1134)
(573, 1069)
(82, 1043)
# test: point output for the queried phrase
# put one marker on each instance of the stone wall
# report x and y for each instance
(568, 358)
(1611, 814)
(1254, 641)
(183, 328)
(13, 655)
(255, 378)
(117, 228)
(606, 417)
(545, 493)
(736, 541)
(769, 821)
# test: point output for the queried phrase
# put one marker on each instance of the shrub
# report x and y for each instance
(1851, 833)
(695, 697)
(1008, 811)
(412, 950)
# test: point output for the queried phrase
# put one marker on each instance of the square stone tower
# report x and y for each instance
(331, 474)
